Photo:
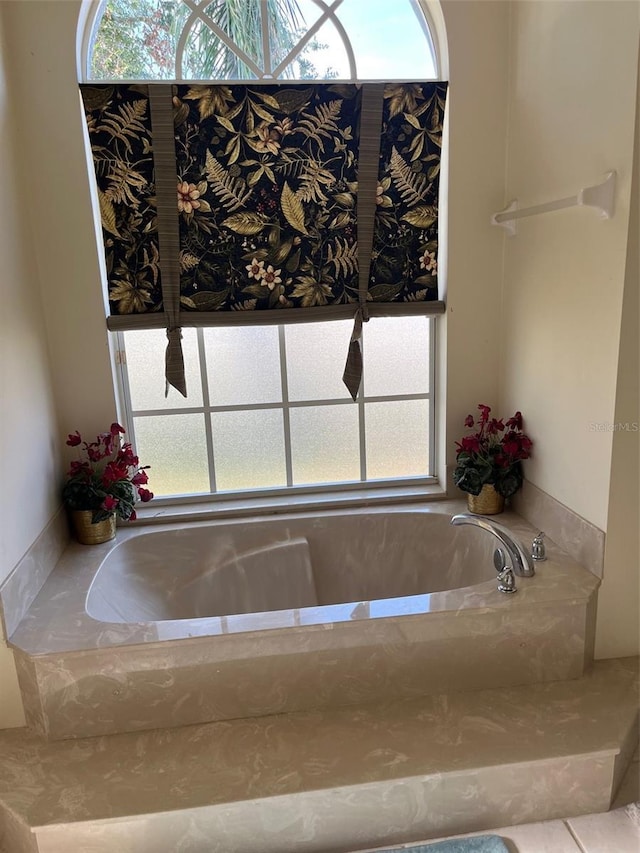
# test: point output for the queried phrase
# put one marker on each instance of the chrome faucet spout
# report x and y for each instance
(520, 560)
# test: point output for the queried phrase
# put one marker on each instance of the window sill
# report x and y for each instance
(247, 507)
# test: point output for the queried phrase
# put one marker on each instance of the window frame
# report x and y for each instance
(375, 489)
(130, 414)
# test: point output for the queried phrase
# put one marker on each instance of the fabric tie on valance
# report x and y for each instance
(240, 204)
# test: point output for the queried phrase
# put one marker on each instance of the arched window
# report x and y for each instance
(258, 39)
(267, 409)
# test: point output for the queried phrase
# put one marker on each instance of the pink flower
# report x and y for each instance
(485, 411)
(494, 426)
(516, 421)
(511, 444)
(108, 477)
(268, 139)
(188, 195)
(126, 455)
(114, 472)
(469, 444)
(468, 421)
(94, 453)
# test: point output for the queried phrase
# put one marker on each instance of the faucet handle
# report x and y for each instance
(507, 581)
(538, 551)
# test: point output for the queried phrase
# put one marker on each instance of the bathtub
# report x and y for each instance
(281, 566)
(178, 624)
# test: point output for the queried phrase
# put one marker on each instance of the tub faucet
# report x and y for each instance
(520, 560)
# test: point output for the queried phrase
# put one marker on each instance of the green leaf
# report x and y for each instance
(345, 200)
(207, 300)
(264, 114)
(293, 209)
(421, 217)
(291, 100)
(427, 280)
(246, 224)
(256, 290)
(413, 121)
(107, 214)
(282, 252)
(267, 99)
(384, 292)
(294, 262)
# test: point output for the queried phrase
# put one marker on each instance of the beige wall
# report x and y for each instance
(28, 430)
(478, 36)
(618, 631)
(572, 107)
(49, 262)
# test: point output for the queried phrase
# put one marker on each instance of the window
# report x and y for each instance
(267, 409)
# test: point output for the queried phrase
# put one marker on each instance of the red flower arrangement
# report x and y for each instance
(493, 454)
(108, 480)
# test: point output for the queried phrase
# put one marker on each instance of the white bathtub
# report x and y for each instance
(281, 565)
(174, 624)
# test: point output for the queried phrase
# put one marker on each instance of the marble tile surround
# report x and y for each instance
(330, 781)
(580, 539)
(20, 589)
(81, 677)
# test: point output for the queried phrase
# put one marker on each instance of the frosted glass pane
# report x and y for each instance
(316, 353)
(325, 444)
(249, 449)
(396, 356)
(175, 447)
(397, 439)
(145, 368)
(243, 365)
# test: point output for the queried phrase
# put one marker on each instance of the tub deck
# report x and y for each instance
(81, 676)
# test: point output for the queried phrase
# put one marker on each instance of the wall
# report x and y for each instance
(478, 37)
(28, 430)
(42, 56)
(572, 107)
(619, 598)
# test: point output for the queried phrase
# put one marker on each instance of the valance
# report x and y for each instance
(266, 203)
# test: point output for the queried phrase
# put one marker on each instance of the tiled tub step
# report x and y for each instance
(328, 781)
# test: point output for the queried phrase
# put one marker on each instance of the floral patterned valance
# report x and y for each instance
(268, 193)
(267, 181)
